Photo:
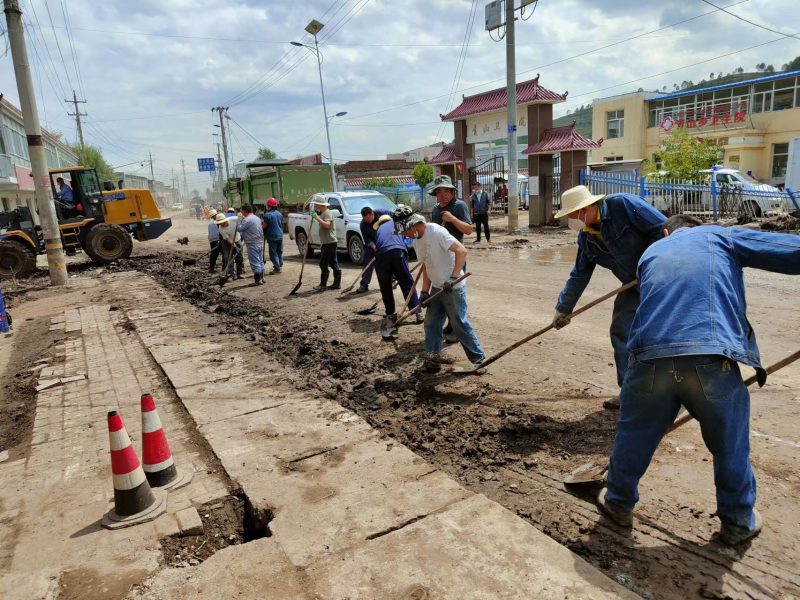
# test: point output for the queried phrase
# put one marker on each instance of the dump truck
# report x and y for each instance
(101, 223)
(290, 184)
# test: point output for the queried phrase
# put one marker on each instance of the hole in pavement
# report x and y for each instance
(229, 521)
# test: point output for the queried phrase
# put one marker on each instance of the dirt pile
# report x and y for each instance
(782, 223)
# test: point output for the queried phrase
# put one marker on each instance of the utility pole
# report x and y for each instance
(174, 199)
(152, 177)
(185, 185)
(220, 110)
(33, 132)
(77, 114)
(511, 117)
(219, 169)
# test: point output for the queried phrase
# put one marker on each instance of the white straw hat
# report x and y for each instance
(575, 199)
(220, 218)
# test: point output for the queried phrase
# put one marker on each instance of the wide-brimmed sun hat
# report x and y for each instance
(212, 213)
(322, 202)
(575, 199)
(220, 218)
(442, 181)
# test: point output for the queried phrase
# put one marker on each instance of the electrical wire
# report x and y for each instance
(727, 12)
(71, 40)
(58, 44)
(522, 12)
(44, 42)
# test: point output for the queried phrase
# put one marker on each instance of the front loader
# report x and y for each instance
(102, 224)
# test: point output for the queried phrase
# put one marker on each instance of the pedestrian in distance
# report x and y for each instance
(613, 232)
(391, 259)
(229, 237)
(328, 246)
(273, 221)
(253, 237)
(453, 215)
(443, 259)
(368, 235)
(213, 240)
(480, 209)
(689, 334)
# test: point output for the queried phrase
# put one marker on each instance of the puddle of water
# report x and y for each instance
(543, 256)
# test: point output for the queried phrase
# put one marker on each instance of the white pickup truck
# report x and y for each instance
(346, 208)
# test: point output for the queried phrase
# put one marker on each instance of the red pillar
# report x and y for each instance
(465, 153)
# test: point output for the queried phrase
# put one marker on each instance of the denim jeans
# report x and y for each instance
(369, 254)
(328, 258)
(238, 259)
(625, 305)
(711, 388)
(395, 263)
(451, 306)
(255, 256)
(276, 253)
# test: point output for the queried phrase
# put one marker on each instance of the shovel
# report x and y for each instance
(418, 308)
(305, 254)
(480, 369)
(352, 285)
(593, 474)
(371, 309)
(224, 277)
(388, 327)
(190, 262)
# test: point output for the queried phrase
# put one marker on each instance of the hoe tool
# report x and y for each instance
(364, 270)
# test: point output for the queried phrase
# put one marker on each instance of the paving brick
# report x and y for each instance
(167, 525)
(189, 521)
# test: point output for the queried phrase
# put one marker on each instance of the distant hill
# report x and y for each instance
(582, 118)
(725, 79)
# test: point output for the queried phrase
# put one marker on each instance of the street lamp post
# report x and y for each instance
(314, 28)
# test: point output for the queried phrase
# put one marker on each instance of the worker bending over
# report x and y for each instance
(231, 243)
(253, 237)
(613, 232)
(213, 240)
(443, 260)
(689, 334)
(368, 234)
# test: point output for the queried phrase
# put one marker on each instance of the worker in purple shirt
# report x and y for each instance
(369, 235)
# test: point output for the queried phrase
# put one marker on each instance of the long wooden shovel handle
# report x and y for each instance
(417, 308)
(305, 253)
(411, 292)
(394, 287)
(364, 270)
(583, 309)
(748, 382)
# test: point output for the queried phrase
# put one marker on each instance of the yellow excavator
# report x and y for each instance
(101, 223)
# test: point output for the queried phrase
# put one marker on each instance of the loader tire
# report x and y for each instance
(108, 242)
(16, 260)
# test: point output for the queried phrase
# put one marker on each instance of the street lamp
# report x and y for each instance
(314, 28)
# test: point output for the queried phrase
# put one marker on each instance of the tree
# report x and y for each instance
(769, 69)
(761, 67)
(683, 155)
(423, 173)
(379, 182)
(91, 157)
(194, 194)
(739, 70)
(792, 65)
(711, 76)
(266, 154)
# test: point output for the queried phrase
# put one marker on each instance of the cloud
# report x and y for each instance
(382, 54)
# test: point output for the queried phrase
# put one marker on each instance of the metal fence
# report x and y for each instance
(708, 202)
(407, 195)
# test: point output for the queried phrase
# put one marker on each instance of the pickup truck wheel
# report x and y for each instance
(355, 248)
(300, 238)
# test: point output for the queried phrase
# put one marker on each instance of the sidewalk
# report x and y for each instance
(351, 514)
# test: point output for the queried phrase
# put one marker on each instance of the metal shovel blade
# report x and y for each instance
(588, 474)
(388, 328)
(189, 262)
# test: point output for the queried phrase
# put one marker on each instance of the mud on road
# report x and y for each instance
(500, 435)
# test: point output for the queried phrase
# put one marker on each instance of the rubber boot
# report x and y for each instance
(323, 283)
(337, 281)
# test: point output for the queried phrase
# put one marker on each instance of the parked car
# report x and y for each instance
(346, 208)
(762, 198)
(177, 206)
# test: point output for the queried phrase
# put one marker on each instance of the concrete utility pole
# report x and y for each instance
(152, 177)
(220, 110)
(33, 132)
(185, 185)
(511, 117)
(77, 114)
(219, 170)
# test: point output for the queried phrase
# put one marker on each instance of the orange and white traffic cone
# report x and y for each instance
(134, 501)
(157, 460)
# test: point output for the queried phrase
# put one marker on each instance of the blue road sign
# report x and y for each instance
(206, 164)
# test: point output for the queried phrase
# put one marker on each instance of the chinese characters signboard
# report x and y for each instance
(696, 118)
(206, 164)
(493, 126)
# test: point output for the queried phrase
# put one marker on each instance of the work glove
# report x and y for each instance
(560, 320)
(424, 296)
(448, 285)
(314, 216)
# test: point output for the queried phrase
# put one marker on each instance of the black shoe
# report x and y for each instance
(478, 241)
(323, 283)
(362, 288)
(337, 281)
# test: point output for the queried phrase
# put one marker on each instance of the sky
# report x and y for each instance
(151, 70)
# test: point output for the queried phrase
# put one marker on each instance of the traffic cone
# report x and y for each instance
(157, 460)
(134, 501)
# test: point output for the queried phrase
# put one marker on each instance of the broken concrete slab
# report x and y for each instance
(73, 378)
(45, 384)
(189, 521)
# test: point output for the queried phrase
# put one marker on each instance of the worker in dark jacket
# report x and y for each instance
(613, 232)
(273, 231)
(368, 234)
(689, 334)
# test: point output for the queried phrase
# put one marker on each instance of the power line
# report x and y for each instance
(727, 12)
(71, 39)
(44, 41)
(58, 45)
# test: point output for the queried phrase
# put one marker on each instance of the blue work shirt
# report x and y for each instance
(385, 237)
(693, 294)
(251, 230)
(274, 221)
(480, 203)
(65, 193)
(628, 225)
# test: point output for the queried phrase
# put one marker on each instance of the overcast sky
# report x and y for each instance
(154, 92)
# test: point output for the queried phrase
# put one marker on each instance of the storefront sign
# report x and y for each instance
(493, 126)
(702, 120)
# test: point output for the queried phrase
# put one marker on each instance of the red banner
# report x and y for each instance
(307, 161)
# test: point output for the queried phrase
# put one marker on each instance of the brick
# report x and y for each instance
(189, 522)
(167, 525)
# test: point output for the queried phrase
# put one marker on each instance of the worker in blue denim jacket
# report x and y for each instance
(613, 232)
(688, 336)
